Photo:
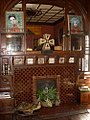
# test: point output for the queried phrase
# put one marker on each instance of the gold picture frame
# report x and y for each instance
(61, 60)
(75, 24)
(15, 21)
(71, 60)
(51, 60)
(18, 60)
(30, 61)
(41, 60)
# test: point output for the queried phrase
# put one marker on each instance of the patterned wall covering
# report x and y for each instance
(23, 81)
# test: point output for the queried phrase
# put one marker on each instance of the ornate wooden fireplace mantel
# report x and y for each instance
(64, 74)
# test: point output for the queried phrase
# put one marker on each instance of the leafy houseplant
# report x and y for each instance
(47, 96)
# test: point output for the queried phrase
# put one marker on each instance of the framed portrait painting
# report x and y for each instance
(75, 24)
(14, 21)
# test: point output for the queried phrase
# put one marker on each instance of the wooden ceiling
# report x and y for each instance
(41, 13)
(80, 6)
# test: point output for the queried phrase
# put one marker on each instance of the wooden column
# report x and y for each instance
(24, 10)
(66, 27)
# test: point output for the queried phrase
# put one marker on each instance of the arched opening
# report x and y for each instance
(31, 17)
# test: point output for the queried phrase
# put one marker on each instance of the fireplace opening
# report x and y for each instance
(46, 89)
(45, 84)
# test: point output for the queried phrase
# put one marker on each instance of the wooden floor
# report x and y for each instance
(65, 112)
(75, 117)
(62, 112)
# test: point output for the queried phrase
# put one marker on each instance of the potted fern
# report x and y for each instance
(47, 96)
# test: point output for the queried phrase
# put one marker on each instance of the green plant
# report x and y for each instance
(47, 94)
